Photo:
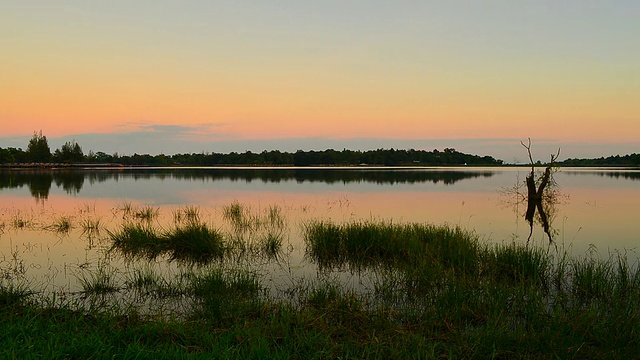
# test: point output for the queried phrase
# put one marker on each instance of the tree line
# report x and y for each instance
(38, 151)
(617, 160)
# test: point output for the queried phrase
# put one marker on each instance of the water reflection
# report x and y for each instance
(616, 174)
(40, 181)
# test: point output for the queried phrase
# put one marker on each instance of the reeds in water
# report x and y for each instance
(61, 225)
(197, 242)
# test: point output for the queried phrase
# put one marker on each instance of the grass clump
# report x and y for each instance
(258, 233)
(135, 239)
(188, 214)
(99, 283)
(62, 225)
(196, 242)
(14, 296)
(144, 213)
(91, 227)
(226, 296)
(21, 221)
(368, 244)
(240, 217)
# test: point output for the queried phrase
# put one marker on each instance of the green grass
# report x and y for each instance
(368, 244)
(137, 240)
(193, 242)
(13, 295)
(255, 232)
(238, 215)
(196, 242)
(100, 282)
(438, 292)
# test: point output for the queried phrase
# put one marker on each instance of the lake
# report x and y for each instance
(594, 211)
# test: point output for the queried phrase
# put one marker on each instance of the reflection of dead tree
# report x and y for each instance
(535, 194)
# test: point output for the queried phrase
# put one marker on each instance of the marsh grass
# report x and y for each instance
(143, 279)
(100, 282)
(146, 282)
(437, 292)
(255, 232)
(190, 214)
(129, 211)
(14, 295)
(146, 213)
(238, 215)
(21, 221)
(224, 296)
(195, 242)
(61, 225)
(91, 227)
(368, 244)
(448, 281)
(136, 239)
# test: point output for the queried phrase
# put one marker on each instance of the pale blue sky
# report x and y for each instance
(182, 76)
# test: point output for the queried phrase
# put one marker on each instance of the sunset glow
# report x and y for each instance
(565, 73)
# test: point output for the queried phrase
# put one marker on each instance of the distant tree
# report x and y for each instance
(11, 155)
(70, 152)
(38, 149)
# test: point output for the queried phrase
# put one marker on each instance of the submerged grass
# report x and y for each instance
(491, 298)
(98, 283)
(368, 244)
(192, 240)
(196, 242)
(438, 292)
(21, 221)
(91, 227)
(61, 225)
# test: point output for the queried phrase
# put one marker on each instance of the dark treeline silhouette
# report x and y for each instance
(39, 181)
(71, 153)
(38, 151)
(617, 160)
(330, 157)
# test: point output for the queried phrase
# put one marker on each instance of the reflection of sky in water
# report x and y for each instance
(598, 209)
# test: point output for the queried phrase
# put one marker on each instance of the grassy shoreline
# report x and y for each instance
(439, 293)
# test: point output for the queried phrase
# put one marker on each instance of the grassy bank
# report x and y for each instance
(438, 293)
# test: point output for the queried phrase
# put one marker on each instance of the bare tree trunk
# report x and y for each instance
(535, 196)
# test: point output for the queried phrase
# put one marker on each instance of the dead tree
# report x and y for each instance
(535, 193)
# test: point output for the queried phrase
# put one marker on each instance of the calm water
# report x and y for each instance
(595, 209)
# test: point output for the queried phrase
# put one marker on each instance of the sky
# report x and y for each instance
(218, 76)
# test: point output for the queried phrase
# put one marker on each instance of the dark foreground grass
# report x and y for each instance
(440, 294)
(193, 241)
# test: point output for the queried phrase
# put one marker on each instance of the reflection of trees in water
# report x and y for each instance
(328, 176)
(71, 181)
(618, 174)
(39, 181)
(40, 186)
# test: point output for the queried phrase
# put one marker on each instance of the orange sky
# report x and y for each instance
(566, 72)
